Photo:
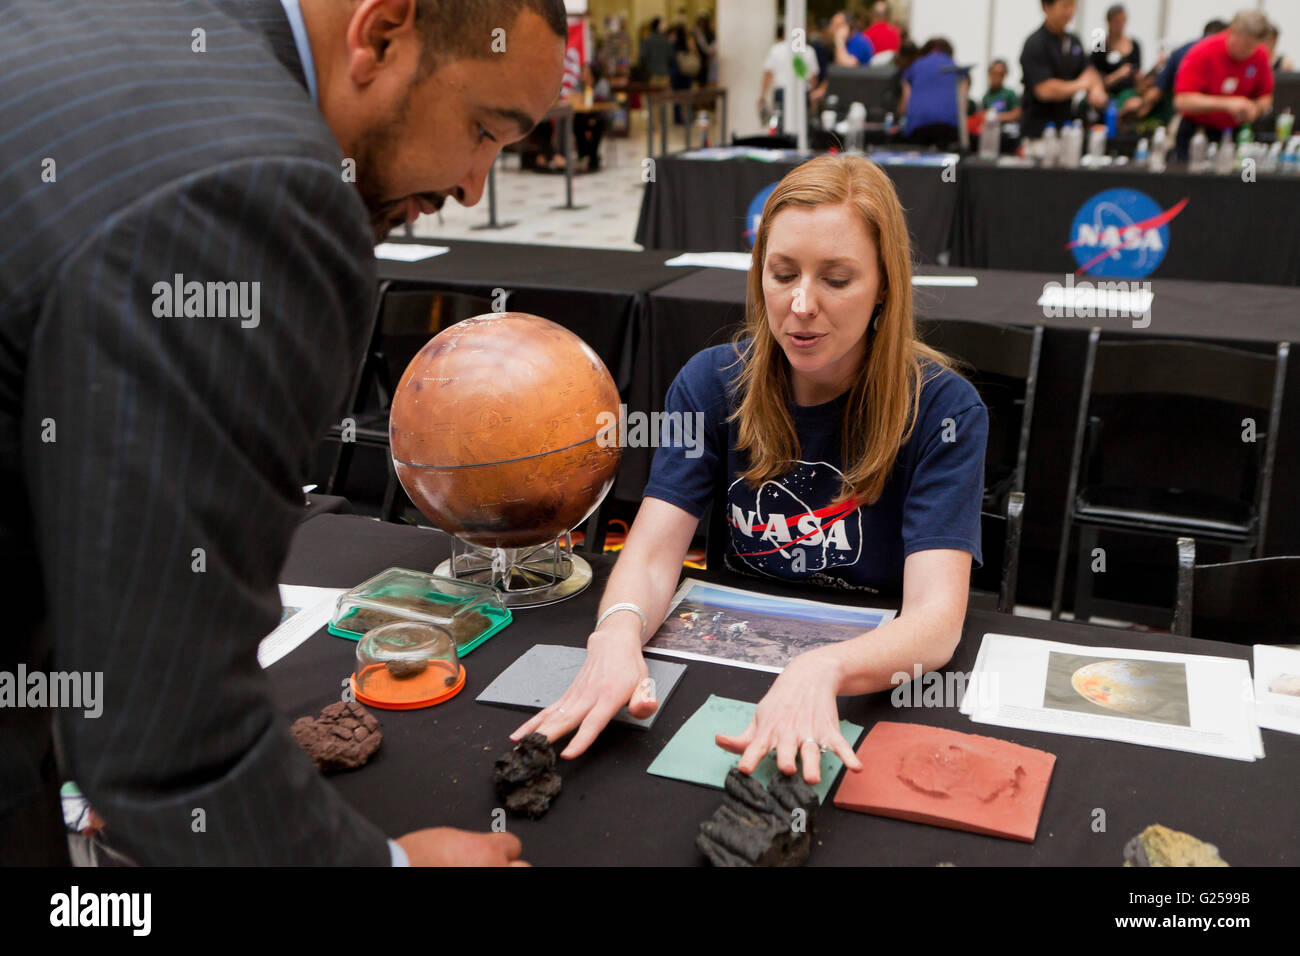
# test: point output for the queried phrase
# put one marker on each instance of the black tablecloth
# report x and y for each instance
(704, 308)
(598, 294)
(1230, 230)
(435, 765)
(700, 205)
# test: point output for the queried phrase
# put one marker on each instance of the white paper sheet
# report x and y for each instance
(714, 260)
(1277, 687)
(1198, 704)
(955, 282)
(307, 610)
(408, 251)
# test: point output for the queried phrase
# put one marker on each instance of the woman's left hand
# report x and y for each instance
(797, 716)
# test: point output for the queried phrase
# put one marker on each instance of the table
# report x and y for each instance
(1230, 230)
(435, 766)
(700, 205)
(707, 306)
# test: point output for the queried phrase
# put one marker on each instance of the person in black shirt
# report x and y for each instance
(1119, 63)
(1056, 67)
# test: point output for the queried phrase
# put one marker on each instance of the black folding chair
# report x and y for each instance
(1168, 443)
(1245, 602)
(1002, 363)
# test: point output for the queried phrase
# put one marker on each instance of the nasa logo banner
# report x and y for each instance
(754, 214)
(1121, 234)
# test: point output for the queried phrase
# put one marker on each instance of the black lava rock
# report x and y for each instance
(525, 777)
(760, 827)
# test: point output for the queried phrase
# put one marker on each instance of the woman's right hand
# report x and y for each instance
(613, 676)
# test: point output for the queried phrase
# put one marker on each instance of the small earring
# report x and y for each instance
(875, 315)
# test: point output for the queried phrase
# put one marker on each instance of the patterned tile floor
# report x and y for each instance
(611, 197)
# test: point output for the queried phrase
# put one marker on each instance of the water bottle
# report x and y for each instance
(1097, 141)
(1272, 159)
(1198, 152)
(702, 127)
(1159, 150)
(1143, 153)
(1227, 155)
(1285, 123)
(1112, 120)
(1051, 146)
(991, 135)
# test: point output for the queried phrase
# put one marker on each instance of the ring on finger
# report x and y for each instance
(821, 747)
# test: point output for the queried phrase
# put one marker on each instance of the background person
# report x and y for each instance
(1225, 81)
(884, 36)
(1000, 97)
(928, 103)
(829, 372)
(1056, 69)
(779, 71)
(1120, 62)
(852, 46)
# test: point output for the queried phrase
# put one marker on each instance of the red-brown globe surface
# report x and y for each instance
(496, 430)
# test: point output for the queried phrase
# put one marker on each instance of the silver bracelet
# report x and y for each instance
(623, 606)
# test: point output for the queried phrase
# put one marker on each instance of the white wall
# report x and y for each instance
(746, 31)
(1286, 15)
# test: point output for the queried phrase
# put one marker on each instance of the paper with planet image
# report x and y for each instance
(1277, 687)
(1191, 702)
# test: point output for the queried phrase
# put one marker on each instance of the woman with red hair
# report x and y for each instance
(844, 453)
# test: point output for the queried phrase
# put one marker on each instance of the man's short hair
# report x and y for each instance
(999, 62)
(453, 31)
(937, 45)
(1252, 23)
(1114, 10)
(1215, 26)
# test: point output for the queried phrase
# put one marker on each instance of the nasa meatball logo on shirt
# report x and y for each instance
(786, 528)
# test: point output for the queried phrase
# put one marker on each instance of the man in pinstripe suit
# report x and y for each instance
(152, 444)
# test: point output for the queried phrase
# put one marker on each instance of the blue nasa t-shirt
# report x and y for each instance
(788, 528)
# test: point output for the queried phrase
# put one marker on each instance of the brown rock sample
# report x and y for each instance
(949, 779)
(1160, 846)
(343, 737)
(760, 827)
(525, 777)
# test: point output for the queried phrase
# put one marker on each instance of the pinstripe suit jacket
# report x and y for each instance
(151, 464)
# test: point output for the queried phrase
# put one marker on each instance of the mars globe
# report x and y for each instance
(496, 430)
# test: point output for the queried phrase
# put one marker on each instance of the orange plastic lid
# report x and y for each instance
(431, 686)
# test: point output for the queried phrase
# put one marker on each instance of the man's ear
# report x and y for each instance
(379, 34)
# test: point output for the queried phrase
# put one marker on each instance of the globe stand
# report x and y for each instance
(524, 577)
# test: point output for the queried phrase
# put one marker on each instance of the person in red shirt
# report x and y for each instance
(1225, 80)
(882, 34)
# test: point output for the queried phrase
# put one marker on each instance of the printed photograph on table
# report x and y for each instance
(712, 622)
(1143, 690)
